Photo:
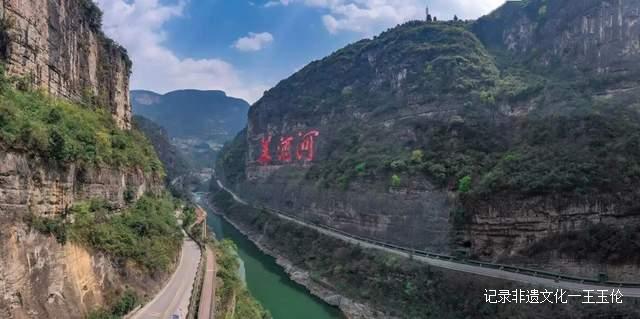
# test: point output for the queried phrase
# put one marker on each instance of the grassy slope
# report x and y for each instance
(233, 291)
(33, 122)
(146, 233)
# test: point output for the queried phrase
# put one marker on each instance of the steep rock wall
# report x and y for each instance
(506, 225)
(596, 40)
(33, 185)
(593, 35)
(416, 217)
(364, 104)
(39, 278)
(588, 47)
(58, 46)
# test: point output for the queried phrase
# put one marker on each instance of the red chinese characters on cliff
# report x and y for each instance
(284, 149)
(303, 151)
(265, 156)
(305, 148)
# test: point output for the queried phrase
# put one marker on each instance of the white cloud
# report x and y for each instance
(253, 42)
(138, 26)
(371, 16)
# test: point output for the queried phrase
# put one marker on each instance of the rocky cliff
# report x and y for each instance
(317, 143)
(40, 187)
(586, 36)
(40, 278)
(58, 46)
(489, 137)
(57, 151)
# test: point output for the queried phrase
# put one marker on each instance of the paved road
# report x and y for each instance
(473, 269)
(207, 298)
(173, 299)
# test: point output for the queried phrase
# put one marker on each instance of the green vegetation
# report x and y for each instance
(146, 233)
(232, 159)
(446, 61)
(127, 302)
(174, 162)
(501, 123)
(417, 156)
(464, 185)
(188, 215)
(49, 226)
(93, 14)
(233, 291)
(361, 168)
(395, 181)
(44, 126)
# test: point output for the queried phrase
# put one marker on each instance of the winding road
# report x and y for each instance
(458, 266)
(174, 298)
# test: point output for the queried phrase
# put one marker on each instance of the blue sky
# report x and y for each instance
(246, 46)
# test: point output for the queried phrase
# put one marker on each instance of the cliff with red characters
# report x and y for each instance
(509, 138)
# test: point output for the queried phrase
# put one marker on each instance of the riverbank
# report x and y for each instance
(267, 280)
(322, 290)
(397, 287)
(232, 299)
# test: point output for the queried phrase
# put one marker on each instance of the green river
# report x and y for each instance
(268, 282)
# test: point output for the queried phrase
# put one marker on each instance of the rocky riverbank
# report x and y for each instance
(317, 286)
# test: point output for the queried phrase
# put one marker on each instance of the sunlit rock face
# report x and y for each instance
(36, 186)
(593, 35)
(59, 47)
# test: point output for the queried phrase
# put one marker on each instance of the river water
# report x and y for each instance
(268, 282)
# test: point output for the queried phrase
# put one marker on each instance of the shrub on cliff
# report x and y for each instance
(93, 14)
(126, 303)
(146, 233)
(233, 292)
(48, 127)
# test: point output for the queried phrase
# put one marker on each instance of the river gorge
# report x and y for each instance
(267, 281)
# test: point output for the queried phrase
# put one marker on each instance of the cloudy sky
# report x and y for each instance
(246, 46)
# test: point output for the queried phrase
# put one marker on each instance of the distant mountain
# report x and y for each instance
(207, 115)
(198, 123)
(174, 162)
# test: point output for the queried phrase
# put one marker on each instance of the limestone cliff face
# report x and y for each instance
(594, 39)
(507, 224)
(33, 185)
(534, 105)
(362, 106)
(593, 35)
(39, 278)
(58, 46)
(417, 217)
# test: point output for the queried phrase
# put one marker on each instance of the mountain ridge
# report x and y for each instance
(196, 106)
(449, 138)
